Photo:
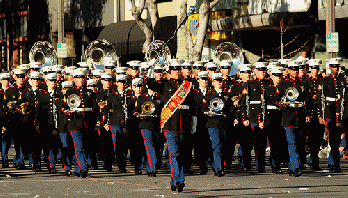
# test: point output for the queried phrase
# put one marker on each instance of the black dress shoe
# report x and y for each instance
(173, 188)
(316, 168)
(180, 186)
(21, 166)
(151, 174)
(52, 170)
(138, 172)
(77, 174)
(37, 169)
(67, 173)
(278, 171)
(261, 170)
(219, 173)
(5, 165)
(337, 169)
(84, 173)
(204, 172)
(295, 173)
(123, 170)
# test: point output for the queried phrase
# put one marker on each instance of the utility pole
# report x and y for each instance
(60, 25)
(330, 23)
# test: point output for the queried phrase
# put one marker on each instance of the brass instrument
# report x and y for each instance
(102, 104)
(11, 104)
(291, 94)
(228, 51)
(73, 101)
(216, 106)
(99, 52)
(157, 52)
(44, 53)
(23, 106)
(147, 109)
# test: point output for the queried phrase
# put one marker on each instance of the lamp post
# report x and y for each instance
(330, 23)
(60, 25)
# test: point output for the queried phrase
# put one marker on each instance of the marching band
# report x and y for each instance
(80, 115)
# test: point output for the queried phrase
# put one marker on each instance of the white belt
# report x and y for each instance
(296, 105)
(330, 99)
(271, 107)
(255, 102)
(184, 107)
(82, 109)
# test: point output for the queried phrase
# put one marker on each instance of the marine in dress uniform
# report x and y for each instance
(20, 107)
(273, 119)
(148, 110)
(201, 135)
(84, 117)
(295, 115)
(133, 71)
(115, 114)
(137, 149)
(329, 92)
(66, 146)
(216, 121)
(239, 94)
(314, 128)
(257, 112)
(6, 136)
(106, 137)
(47, 120)
(178, 124)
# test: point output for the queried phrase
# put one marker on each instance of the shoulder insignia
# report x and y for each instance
(244, 92)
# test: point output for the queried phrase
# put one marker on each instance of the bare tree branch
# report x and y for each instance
(296, 50)
(136, 13)
(287, 43)
(213, 3)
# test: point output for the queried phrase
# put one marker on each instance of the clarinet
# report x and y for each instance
(263, 104)
(323, 101)
(125, 109)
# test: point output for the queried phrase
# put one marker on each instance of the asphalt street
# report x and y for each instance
(236, 183)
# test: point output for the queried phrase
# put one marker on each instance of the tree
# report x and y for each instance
(195, 47)
(137, 10)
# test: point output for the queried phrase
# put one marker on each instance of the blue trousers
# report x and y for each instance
(6, 143)
(79, 151)
(64, 138)
(151, 161)
(292, 139)
(215, 138)
(176, 145)
(119, 146)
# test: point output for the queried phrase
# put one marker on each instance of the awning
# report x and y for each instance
(128, 38)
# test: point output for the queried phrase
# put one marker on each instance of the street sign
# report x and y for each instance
(332, 42)
(61, 50)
